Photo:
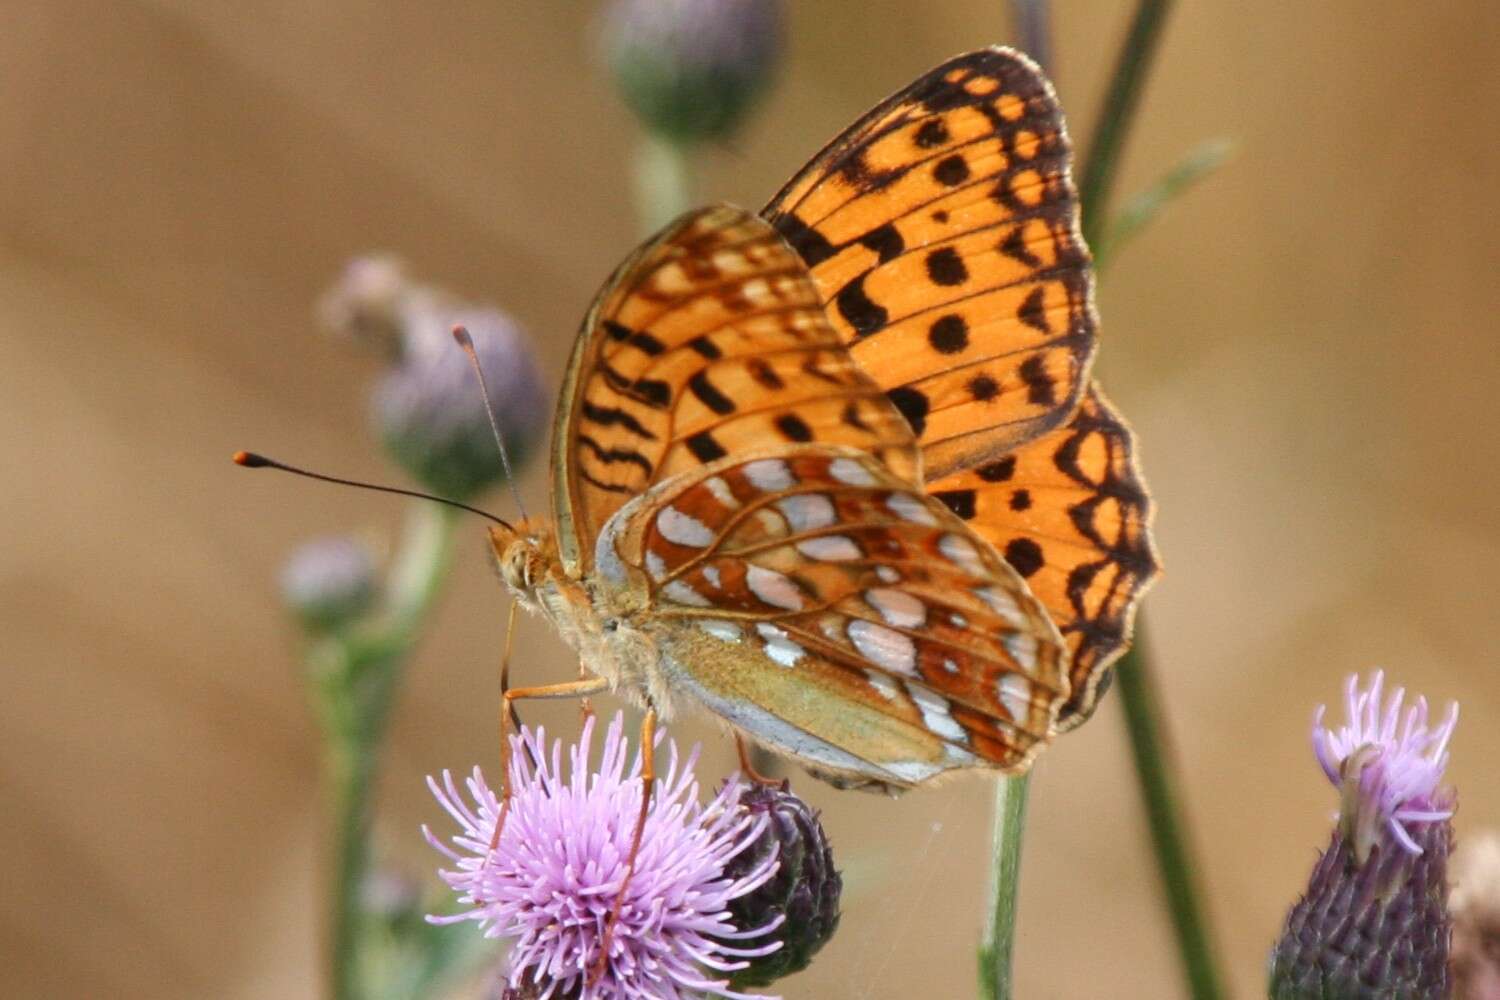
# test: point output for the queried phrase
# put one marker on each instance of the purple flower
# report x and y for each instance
(552, 880)
(1387, 763)
(1373, 922)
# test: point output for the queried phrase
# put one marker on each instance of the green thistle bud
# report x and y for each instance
(805, 889)
(329, 582)
(690, 69)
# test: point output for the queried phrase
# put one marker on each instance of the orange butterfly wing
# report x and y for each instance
(710, 339)
(1069, 511)
(830, 609)
(942, 232)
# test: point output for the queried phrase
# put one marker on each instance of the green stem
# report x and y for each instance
(1118, 114)
(663, 181)
(1005, 882)
(1169, 841)
(355, 677)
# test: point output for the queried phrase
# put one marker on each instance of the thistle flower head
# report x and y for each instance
(552, 880)
(1373, 921)
(429, 409)
(329, 582)
(691, 68)
(1387, 762)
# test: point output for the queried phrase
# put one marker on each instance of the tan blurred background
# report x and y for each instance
(1306, 344)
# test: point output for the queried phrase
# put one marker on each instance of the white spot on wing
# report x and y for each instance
(884, 647)
(807, 511)
(936, 713)
(1015, 695)
(607, 557)
(655, 566)
(683, 529)
(682, 593)
(887, 574)
(885, 684)
(830, 548)
(909, 508)
(913, 771)
(1003, 604)
(847, 470)
(721, 492)
(1022, 646)
(727, 631)
(776, 589)
(961, 552)
(950, 666)
(769, 475)
(779, 646)
(711, 574)
(897, 607)
(958, 620)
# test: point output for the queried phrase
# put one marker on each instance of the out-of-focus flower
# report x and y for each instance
(429, 409)
(552, 880)
(803, 895)
(368, 302)
(1374, 921)
(329, 582)
(691, 68)
(1475, 906)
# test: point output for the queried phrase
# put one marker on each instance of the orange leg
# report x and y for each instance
(648, 780)
(748, 767)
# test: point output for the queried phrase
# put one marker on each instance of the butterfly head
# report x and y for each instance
(525, 554)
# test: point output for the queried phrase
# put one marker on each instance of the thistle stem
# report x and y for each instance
(1169, 840)
(1005, 882)
(1120, 101)
(663, 181)
(355, 677)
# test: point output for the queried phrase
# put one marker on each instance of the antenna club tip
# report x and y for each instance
(461, 334)
(250, 460)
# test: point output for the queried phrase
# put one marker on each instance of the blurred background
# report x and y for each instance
(1305, 344)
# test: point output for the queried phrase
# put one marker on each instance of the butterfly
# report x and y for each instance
(837, 471)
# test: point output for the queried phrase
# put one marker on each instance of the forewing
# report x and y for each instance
(811, 589)
(1070, 512)
(709, 340)
(942, 231)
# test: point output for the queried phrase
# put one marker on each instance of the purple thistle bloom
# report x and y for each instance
(1387, 763)
(552, 880)
(1373, 922)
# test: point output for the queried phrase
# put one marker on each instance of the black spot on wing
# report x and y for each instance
(961, 502)
(913, 404)
(705, 348)
(1033, 309)
(949, 334)
(1024, 556)
(998, 471)
(855, 306)
(811, 245)
(609, 416)
(704, 448)
(612, 456)
(709, 395)
(951, 170)
(886, 242)
(946, 267)
(793, 427)
(1040, 388)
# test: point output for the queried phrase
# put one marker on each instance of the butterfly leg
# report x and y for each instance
(648, 781)
(581, 688)
(747, 765)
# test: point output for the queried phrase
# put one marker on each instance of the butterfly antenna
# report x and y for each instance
(251, 460)
(461, 334)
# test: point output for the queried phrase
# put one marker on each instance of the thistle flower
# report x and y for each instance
(429, 409)
(1475, 906)
(690, 69)
(552, 880)
(1373, 922)
(328, 582)
(804, 892)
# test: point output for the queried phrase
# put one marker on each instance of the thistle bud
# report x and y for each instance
(1373, 922)
(429, 409)
(690, 69)
(804, 891)
(329, 582)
